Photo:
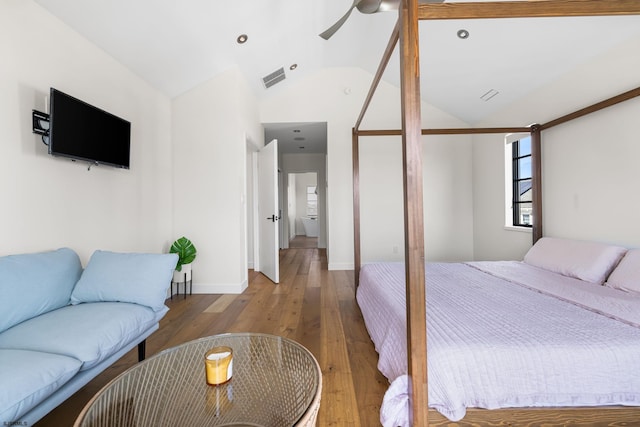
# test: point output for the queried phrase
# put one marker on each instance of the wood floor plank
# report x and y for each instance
(309, 330)
(290, 314)
(369, 383)
(338, 394)
(225, 321)
(313, 277)
(256, 311)
(304, 242)
(221, 304)
(306, 261)
(287, 257)
(311, 305)
(344, 285)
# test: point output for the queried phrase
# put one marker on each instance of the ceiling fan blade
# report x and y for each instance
(386, 5)
(367, 6)
(326, 34)
(372, 6)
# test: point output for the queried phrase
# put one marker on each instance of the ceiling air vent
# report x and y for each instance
(489, 94)
(273, 78)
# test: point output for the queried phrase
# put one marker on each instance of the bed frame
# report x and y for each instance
(406, 33)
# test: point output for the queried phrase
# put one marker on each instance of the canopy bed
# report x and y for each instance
(406, 33)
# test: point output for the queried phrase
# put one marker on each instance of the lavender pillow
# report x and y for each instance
(588, 261)
(626, 275)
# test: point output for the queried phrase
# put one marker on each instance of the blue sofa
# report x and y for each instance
(60, 325)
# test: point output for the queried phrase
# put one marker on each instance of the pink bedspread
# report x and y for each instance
(500, 339)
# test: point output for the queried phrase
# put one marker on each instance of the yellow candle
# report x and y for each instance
(219, 365)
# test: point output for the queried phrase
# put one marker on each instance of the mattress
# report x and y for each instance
(505, 334)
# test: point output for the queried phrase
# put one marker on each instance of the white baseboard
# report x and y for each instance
(219, 288)
(216, 288)
(340, 266)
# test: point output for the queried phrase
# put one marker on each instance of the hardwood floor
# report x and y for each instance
(303, 242)
(311, 305)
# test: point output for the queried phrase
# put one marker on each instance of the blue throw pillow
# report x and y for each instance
(32, 284)
(126, 277)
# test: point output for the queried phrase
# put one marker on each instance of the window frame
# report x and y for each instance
(312, 201)
(516, 180)
(512, 179)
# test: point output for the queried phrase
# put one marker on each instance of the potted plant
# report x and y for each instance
(186, 254)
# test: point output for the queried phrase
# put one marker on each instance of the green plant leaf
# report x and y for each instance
(186, 252)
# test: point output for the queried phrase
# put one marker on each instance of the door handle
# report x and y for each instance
(273, 218)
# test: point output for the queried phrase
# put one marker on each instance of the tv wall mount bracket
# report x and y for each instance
(40, 125)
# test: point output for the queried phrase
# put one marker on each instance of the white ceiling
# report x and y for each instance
(298, 138)
(178, 44)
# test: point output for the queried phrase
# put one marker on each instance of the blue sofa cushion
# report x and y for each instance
(127, 277)
(88, 332)
(32, 284)
(28, 377)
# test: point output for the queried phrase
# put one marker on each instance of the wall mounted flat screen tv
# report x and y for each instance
(83, 132)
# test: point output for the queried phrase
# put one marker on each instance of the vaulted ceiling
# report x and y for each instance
(178, 44)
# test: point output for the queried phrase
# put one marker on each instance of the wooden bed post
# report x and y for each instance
(536, 182)
(356, 205)
(413, 210)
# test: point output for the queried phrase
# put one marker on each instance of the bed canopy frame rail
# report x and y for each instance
(407, 35)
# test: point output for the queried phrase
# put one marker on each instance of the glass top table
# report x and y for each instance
(275, 382)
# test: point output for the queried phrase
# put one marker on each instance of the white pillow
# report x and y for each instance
(626, 275)
(127, 277)
(588, 261)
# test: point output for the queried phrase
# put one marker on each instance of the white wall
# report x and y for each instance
(591, 176)
(322, 97)
(211, 126)
(52, 202)
(589, 166)
(448, 205)
(491, 240)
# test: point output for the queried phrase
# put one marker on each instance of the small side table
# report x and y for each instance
(185, 281)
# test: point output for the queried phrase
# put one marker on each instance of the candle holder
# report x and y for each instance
(218, 364)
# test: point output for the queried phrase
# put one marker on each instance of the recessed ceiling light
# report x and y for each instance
(298, 139)
(242, 38)
(296, 130)
(463, 34)
(293, 67)
(301, 147)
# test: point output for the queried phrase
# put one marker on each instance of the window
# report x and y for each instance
(521, 204)
(312, 202)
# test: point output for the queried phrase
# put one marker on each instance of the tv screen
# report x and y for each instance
(84, 132)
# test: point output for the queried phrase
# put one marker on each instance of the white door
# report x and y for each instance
(268, 260)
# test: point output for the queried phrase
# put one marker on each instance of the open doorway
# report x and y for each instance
(263, 191)
(293, 158)
(302, 210)
(302, 148)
